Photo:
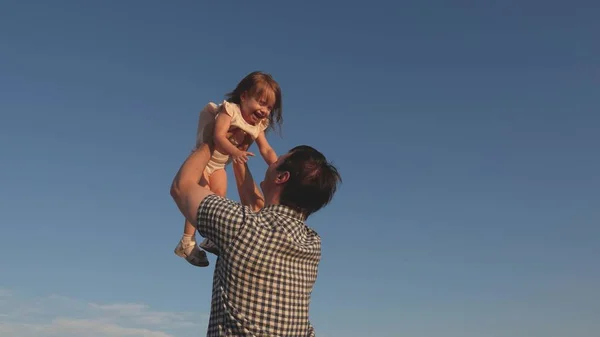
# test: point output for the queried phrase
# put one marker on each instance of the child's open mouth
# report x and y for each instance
(257, 116)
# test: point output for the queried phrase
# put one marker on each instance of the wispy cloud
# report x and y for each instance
(64, 327)
(55, 316)
(141, 314)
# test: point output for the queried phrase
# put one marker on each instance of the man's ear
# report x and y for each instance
(282, 177)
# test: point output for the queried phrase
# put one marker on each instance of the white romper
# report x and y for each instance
(207, 119)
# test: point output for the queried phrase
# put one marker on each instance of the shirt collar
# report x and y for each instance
(285, 211)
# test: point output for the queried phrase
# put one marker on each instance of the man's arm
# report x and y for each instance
(185, 190)
(250, 194)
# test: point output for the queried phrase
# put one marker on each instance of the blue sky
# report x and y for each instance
(465, 133)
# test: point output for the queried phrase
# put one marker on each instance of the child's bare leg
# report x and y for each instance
(218, 185)
(187, 247)
(188, 229)
(218, 182)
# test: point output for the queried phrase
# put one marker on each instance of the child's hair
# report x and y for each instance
(255, 85)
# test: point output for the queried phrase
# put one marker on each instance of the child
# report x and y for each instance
(250, 110)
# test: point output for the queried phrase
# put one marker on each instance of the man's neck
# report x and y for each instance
(272, 200)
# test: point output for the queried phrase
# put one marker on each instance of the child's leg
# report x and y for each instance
(188, 229)
(187, 247)
(218, 182)
(218, 185)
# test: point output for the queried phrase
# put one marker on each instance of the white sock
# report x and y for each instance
(187, 238)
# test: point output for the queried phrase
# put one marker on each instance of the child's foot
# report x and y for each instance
(209, 246)
(190, 251)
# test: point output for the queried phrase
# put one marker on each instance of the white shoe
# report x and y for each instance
(191, 253)
(209, 246)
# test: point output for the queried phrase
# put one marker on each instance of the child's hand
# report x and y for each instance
(241, 157)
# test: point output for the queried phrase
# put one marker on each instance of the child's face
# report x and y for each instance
(258, 107)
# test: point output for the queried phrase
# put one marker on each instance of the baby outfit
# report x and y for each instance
(207, 120)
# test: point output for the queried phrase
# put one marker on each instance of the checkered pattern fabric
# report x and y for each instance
(266, 270)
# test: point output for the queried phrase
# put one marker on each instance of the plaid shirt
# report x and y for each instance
(266, 270)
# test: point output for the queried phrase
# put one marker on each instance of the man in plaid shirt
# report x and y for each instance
(268, 257)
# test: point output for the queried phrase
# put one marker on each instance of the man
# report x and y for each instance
(268, 257)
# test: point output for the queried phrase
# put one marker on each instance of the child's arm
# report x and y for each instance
(222, 125)
(266, 151)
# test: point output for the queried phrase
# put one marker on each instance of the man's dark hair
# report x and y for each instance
(312, 182)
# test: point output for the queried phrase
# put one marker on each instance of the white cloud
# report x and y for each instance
(55, 316)
(63, 327)
(141, 314)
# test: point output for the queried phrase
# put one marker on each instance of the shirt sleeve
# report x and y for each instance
(220, 219)
(264, 124)
(232, 109)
